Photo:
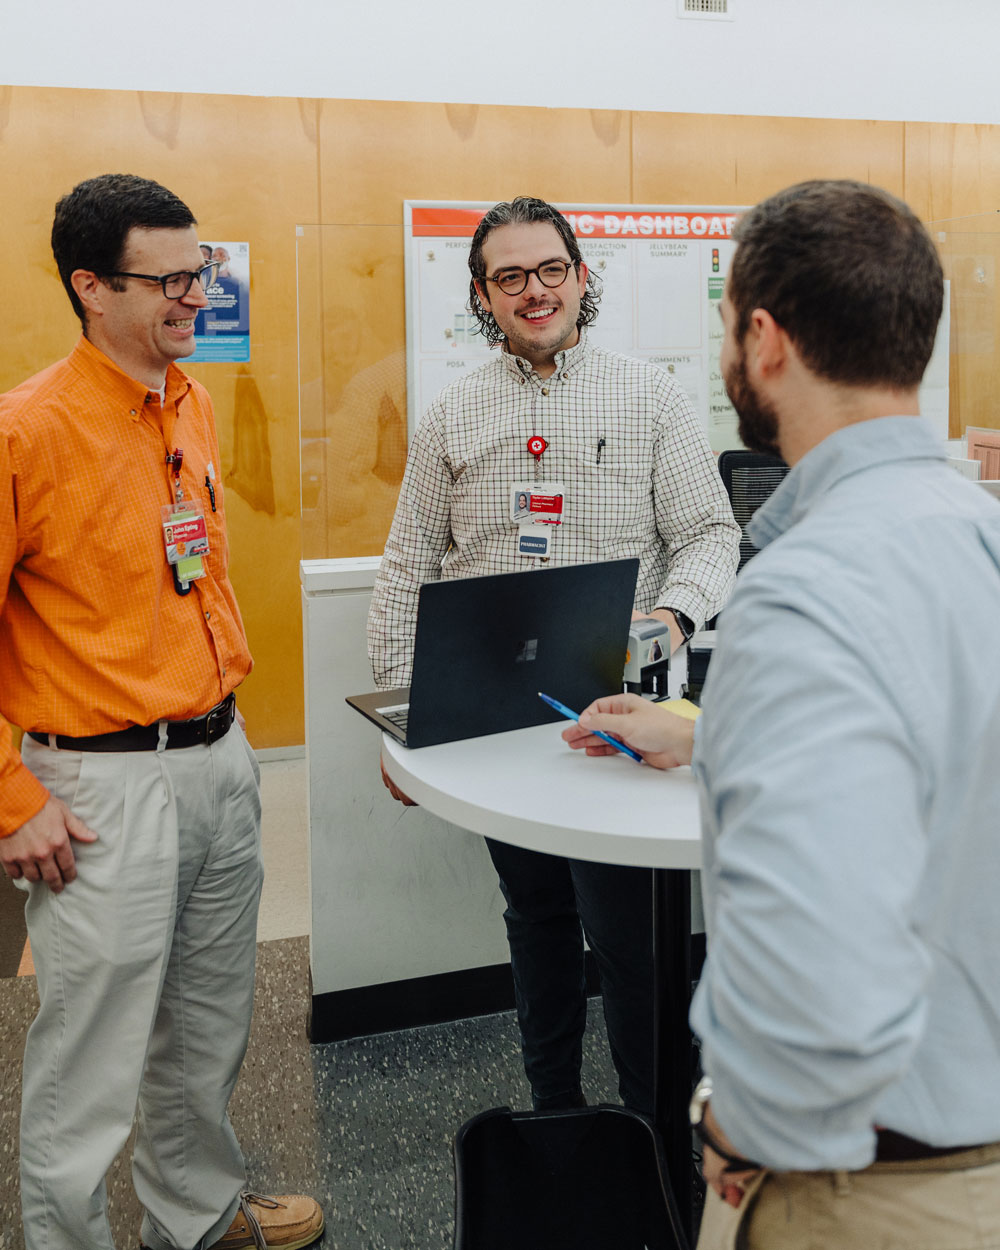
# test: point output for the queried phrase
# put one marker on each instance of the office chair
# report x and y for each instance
(749, 478)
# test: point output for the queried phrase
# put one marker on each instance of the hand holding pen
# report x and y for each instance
(664, 739)
(563, 710)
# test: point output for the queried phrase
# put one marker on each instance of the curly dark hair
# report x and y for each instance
(518, 212)
(92, 223)
(849, 272)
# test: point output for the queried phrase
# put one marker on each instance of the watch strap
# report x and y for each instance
(684, 621)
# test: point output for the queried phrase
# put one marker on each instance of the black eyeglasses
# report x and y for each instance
(177, 285)
(551, 274)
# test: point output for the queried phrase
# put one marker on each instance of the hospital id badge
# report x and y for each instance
(535, 540)
(185, 539)
(537, 503)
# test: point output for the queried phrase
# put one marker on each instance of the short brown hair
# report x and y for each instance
(849, 273)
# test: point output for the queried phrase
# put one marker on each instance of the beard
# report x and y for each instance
(758, 427)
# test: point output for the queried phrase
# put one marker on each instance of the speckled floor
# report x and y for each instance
(364, 1126)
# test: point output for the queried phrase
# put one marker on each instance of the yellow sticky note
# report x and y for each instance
(681, 707)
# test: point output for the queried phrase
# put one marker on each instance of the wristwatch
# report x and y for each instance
(696, 1112)
(685, 622)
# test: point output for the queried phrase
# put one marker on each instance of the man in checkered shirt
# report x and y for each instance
(623, 442)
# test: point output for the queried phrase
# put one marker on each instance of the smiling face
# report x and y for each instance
(540, 321)
(139, 328)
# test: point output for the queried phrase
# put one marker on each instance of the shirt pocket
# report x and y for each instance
(609, 489)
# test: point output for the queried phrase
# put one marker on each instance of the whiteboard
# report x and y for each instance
(662, 271)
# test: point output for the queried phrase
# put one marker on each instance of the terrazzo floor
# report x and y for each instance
(364, 1126)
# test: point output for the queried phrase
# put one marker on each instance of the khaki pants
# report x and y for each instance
(145, 974)
(949, 1203)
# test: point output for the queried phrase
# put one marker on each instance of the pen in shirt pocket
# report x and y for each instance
(600, 449)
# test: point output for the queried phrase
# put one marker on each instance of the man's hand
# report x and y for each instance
(661, 738)
(41, 849)
(729, 1185)
(721, 1176)
(393, 789)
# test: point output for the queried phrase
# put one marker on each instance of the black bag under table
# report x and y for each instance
(592, 1178)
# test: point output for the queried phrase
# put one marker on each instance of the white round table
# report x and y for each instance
(528, 788)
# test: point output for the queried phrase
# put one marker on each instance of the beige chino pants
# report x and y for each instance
(145, 974)
(949, 1203)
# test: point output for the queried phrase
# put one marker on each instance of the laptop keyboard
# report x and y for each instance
(399, 714)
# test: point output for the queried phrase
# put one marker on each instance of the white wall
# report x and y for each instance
(917, 60)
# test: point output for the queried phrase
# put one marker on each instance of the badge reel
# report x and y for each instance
(185, 537)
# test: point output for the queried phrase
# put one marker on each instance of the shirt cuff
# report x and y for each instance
(22, 796)
(683, 600)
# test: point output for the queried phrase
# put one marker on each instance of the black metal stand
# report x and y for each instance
(673, 1056)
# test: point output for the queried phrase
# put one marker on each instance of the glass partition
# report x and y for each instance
(352, 385)
(970, 252)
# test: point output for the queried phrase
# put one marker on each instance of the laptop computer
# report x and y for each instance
(485, 646)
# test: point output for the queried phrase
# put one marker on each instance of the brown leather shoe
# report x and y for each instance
(287, 1221)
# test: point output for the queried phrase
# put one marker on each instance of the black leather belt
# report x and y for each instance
(892, 1147)
(180, 733)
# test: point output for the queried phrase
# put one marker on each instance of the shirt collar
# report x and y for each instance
(850, 450)
(566, 361)
(90, 360)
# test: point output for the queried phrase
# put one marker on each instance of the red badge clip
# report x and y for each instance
(536, 445)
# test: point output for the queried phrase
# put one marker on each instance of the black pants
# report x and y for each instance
(551, 903)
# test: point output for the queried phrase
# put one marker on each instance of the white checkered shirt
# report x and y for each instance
(654, 492)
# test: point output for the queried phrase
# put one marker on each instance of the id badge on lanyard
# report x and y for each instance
(185, 536)
(537, 509)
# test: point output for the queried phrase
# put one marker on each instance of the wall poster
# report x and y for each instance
(222, 330)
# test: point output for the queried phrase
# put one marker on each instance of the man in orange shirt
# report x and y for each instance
(132, 815)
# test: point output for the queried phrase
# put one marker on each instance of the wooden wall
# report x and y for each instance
(256, 168)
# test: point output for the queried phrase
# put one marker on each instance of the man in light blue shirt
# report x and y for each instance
(848, 764)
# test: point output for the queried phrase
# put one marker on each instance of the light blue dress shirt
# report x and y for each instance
(849, 767)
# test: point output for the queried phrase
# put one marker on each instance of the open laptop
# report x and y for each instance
(485, 646)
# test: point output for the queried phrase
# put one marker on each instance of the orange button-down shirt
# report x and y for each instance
(93, 635)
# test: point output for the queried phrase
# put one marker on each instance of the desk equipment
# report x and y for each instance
(647, 661)
(484, 645)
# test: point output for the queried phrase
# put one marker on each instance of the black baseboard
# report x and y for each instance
(342, 1014)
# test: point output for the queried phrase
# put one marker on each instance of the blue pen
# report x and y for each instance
(563, 710)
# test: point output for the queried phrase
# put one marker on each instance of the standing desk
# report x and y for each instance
(529, 789)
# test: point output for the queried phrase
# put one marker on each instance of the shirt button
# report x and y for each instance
(133, 412)
(545, 390)
(523, 380)
(208, 616)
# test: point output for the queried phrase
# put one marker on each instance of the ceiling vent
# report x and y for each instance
(714, 10)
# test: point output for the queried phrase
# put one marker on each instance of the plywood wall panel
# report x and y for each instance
(375, 154)
(682, 158)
